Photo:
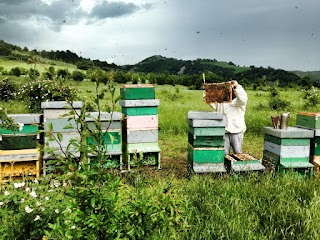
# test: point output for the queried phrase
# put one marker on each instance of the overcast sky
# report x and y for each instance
(281, 34)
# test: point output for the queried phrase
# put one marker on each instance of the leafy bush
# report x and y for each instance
(39, 91)
(15, 71)
(77, 75)
(312, 97)
(8, 89)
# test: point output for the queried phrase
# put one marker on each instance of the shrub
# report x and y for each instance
(77, 76)
(8, 90)
(39, 91)
(15, 72)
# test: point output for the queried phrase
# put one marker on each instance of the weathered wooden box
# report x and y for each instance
(137, 91)
(242, 162)
(287, 148)
(205, 155)
(144, 122)
(60, 109)
(138, 111)
(104, 121)
(143, 154)
(309, 120)
(199, 141)
(25, 137)
(23, 162)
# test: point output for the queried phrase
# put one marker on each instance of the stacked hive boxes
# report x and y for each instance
(105, 130)
(311, 120)
(60, 120)
(140, 125)
(206, 142)
(19, 154)
(287, 149)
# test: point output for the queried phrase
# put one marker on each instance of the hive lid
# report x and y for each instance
(311, 114)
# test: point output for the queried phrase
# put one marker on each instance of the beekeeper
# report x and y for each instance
(234, 113)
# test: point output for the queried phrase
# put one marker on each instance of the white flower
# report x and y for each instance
(56, 183)
(27, 189)
(38, 203)
(36, 181)
(33, 194)
(6, 193)
(73, 227)
(28, 209)
(37, 218)
(42, 209)
(19, 185)
(46, 198)
(22, 200)
(64, 184)
(1, 203)
(56, 211)
(20, 126)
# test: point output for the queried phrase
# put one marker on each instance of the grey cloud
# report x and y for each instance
(113, 9)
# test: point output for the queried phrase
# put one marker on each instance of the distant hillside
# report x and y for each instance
(314, 75)
(216, 70)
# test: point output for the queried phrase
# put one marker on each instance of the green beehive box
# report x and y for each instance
(315, 146)
(108, 138)
(137, 91)
(207, 131)
(205, 141)
(138, 111)
(205, 155)
(12, 142)
(26, 129)
(272, 161)
(287, 141)
(300, 168)
(309, 120)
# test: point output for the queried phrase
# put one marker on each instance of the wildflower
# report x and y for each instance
(22, 200)
(56, 211)
(28, 209)
(33, 194)
(73, 227)
(36, 181)
(20, 126)
(19, 185)
(56, 184)
(37, 218)
(1, 203)
(46, 198)
(6, 193)
(27, 189)
(38, 203)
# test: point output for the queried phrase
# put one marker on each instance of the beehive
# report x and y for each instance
(287, 149)
(105, 130)
(311, 120)
(140, 125)
(60, 120)
(206, 132)
(19, 147)
(242, 162)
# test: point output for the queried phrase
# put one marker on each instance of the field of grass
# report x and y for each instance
(169, 204)
(44, 66)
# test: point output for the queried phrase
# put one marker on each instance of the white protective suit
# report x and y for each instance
(234, 112)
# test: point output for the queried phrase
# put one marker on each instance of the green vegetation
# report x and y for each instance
(94, 202)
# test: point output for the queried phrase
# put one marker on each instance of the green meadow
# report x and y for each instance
(167, 203)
